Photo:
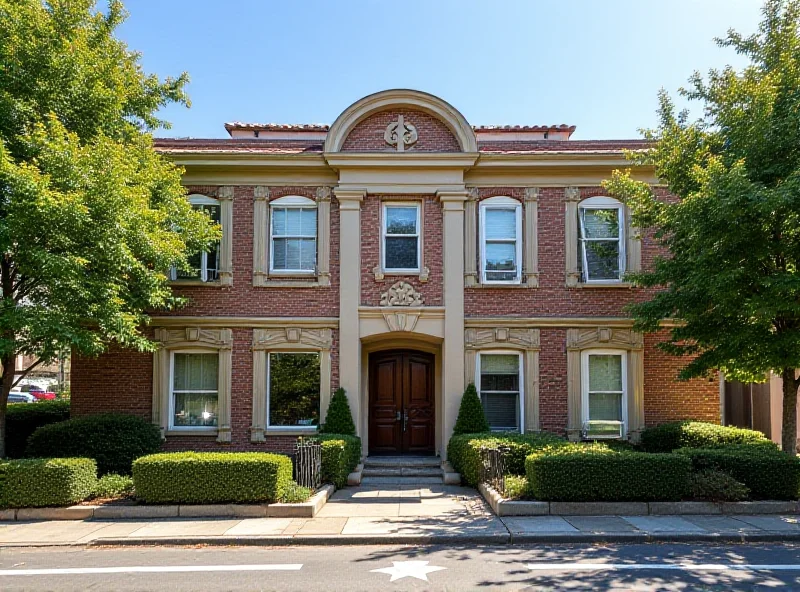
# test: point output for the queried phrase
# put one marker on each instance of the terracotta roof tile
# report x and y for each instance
(169, 145)
(561, 146)
(524, 128)
(277, 127)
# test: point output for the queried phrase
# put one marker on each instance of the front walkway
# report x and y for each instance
(402, 514)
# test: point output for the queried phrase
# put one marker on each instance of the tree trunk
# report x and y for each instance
(7, 380)
(789, 427)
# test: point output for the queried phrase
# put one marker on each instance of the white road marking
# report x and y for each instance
(149, 569)
(665, 566)
(409, 569)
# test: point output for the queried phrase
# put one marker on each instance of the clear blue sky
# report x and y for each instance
(596, 64)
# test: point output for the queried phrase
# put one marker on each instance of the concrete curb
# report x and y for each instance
(505, 507)
(307, 509)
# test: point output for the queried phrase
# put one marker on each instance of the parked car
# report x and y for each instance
(17, 396)
(40, 393)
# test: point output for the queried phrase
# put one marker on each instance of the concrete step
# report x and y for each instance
(402, 461)
(371, 471)
(413, 481)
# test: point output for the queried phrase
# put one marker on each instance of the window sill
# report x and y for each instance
(295, 282)
(195, 284)
(501, 286)
(604, 285)
(291, 431)
(194, 432)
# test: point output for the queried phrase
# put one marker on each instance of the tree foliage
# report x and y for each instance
(339, 419)
(471, 419)
(91, 217)
(733, 236)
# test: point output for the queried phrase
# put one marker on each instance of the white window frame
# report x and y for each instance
(602, 202)
(171, 425)
(585, 383)
(385, 235)
(268, 425)
(202, 200)
(289, 202)
(504, 352)
(501, 203)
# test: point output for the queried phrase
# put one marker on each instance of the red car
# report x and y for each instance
(41, 394)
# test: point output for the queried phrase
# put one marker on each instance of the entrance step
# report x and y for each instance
(402, 461)
(413, 481)
(402, 470)
(372, 471)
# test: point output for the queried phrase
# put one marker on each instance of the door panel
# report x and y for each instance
(401, 386)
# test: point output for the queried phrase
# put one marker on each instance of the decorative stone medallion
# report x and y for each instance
(402, 294)
(400, 134)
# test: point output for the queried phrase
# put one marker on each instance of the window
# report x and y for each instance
(604, 380)
(293, 390)
(401, 237)
(205, 265)
(501, 247)
(293, 235)
(195, 390)
(499, 385)
(601, 235)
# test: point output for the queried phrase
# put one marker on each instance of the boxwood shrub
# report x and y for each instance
(698, 434)
(211, 477)
(767, 472)
(463, 451)
(593, 473)
(114, 440)
(22, 419)
(340, 456)
(41, 482)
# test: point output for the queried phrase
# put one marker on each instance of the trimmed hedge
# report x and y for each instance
(40, 482)
(340, 456)
(114, 440)
(463, 451)
(698, 434)
(22, 419)
(584, 473)
(211, 477)
(767, 472)
(471, 418)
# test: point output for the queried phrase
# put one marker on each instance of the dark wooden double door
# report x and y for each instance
(401, 403)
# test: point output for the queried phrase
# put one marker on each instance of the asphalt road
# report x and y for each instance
(284, 569)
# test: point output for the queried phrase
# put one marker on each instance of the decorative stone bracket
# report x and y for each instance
(402, 294)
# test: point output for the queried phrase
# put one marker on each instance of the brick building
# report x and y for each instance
(400, 253)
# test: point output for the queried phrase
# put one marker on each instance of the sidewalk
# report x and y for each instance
(387, 514)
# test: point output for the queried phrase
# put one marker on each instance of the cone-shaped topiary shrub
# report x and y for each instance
(471, 419)
(339, 419)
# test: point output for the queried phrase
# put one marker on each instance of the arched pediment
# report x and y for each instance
(401, 99)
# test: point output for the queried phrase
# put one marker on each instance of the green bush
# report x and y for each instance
(113, 485)
(114, 440)
(22, 419)
(594, 473)
(697, 434)
(463, 451)
(516, 487)
(717, 486)
(295, 494)
(471, 419)
(211, 477)
(339, 419)
(767, 472)
(340, 456)
(40, 482)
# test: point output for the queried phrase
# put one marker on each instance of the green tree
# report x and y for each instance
(91, 217)
(733, 237)
(471, 419)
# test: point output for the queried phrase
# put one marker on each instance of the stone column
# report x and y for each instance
(350, 298)
(572, 195)
(260, 235)
(453, 346)
(471, 238)
(531, 239)
(225, 197)
(324, 236)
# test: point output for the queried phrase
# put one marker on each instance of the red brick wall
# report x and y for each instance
(242, 299)
(553, 380)
(434, 136)
(431, 216)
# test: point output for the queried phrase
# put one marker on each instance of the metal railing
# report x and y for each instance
(493, 467)
(308, 463)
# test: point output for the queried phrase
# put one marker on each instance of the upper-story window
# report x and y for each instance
(293, 235)
(205, 264)
(601, 236)
(401, 237)
(501, 244)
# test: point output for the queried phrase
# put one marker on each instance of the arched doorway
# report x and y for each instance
(402, 407)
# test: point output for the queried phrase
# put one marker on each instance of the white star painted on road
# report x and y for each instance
(409, 569)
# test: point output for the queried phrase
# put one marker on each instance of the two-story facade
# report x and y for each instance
(400, 253)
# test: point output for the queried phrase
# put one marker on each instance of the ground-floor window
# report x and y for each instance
(604, 380)
(194, 390)
(499, 385)
(293, 389)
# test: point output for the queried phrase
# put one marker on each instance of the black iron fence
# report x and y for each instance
(308, 463)
(493, 468)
